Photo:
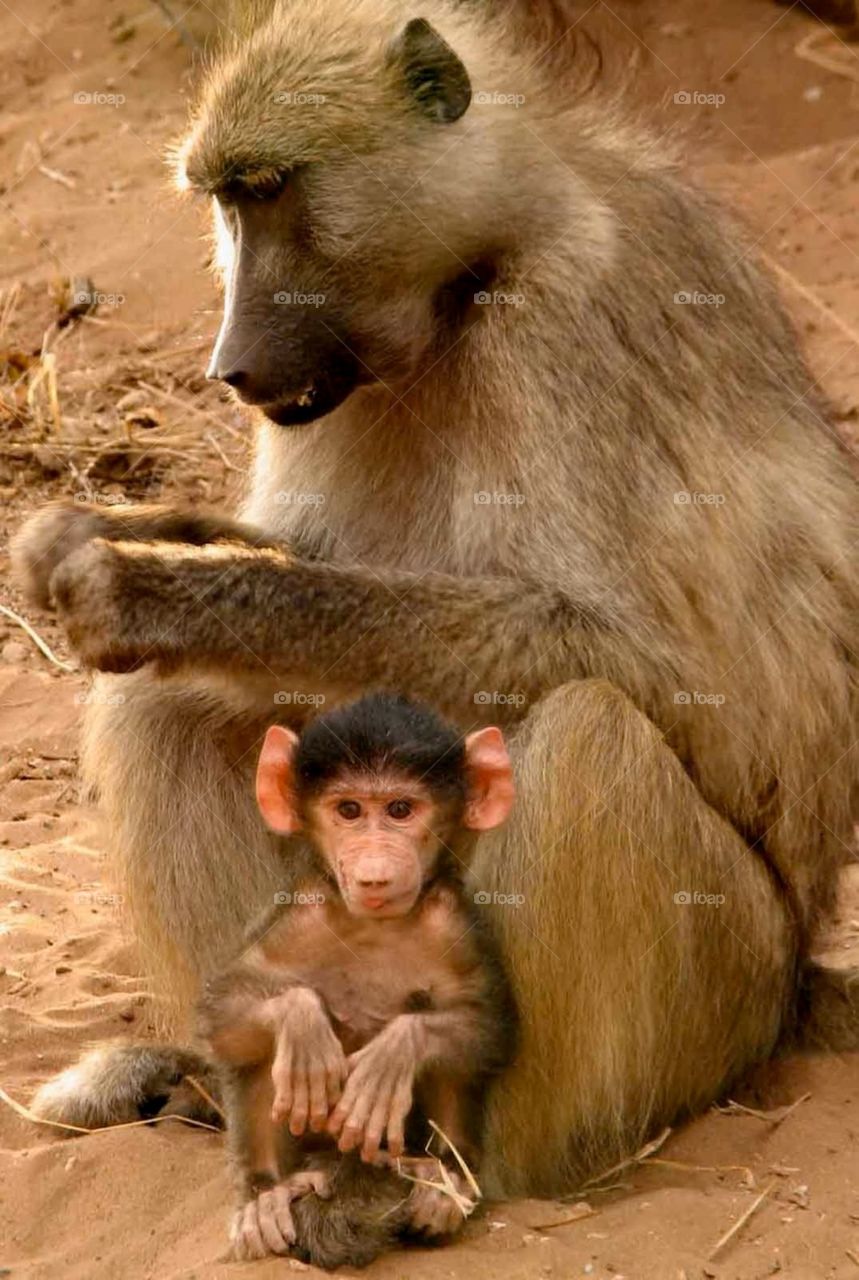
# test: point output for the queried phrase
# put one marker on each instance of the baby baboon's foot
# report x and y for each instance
(433, 1211)
(264, 1225)
(307, 1180)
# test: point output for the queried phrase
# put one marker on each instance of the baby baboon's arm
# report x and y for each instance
(253, 1018)
(379, 1091)
(241, 608)
(62, 527)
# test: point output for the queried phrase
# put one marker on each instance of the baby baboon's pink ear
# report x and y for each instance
(276, 780)
(490, 780)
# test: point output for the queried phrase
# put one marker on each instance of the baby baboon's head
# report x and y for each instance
(352, 221)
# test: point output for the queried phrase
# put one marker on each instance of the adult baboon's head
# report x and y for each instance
(334, 143)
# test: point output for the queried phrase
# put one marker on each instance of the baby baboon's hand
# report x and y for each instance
(378, 1093)
(264, 1225)
(309, 1064)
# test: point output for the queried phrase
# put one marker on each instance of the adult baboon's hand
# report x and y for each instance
(112, 623)
(61, 528)
(106, 631)
(45, 541)
(127, 603)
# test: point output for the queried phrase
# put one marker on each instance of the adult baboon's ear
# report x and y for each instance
(490, 780)
(276, 780)
(436, 79)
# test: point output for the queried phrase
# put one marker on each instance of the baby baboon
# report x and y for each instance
(536, 436)
(375, 952)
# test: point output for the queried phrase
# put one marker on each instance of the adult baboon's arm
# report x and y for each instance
(242, 609)
(61, 527)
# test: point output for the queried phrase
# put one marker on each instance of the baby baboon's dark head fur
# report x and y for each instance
(383, 734)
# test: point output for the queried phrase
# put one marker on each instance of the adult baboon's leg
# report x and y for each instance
(173, 768)
(645, 1000)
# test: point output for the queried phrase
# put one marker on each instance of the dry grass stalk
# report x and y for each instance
(836, 55)
(740, 1223)
(774, 1118)
(811, 298)
(207, 1097)
(580, 1211)
(36, 638)
(647, 1150)
(8, 306)
(445, 1184)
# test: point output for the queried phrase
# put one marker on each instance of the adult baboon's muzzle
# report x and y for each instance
(294, 378)
(283, 345)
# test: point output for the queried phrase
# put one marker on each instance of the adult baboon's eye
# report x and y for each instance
(349, 809)
(400, 809)
(262, 184)
(267, 184)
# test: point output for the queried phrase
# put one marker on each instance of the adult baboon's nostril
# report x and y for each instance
(233, 377)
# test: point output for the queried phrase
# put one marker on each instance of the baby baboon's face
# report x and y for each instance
(341, 257)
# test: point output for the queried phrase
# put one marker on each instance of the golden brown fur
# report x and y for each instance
(715, 752)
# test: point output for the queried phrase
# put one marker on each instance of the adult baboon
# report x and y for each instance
(536, 433)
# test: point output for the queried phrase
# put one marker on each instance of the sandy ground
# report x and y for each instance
(83, 193)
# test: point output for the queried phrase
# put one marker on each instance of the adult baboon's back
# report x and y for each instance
(571, 462)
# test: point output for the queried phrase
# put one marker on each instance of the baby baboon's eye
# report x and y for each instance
(349, 809)
(400, 809)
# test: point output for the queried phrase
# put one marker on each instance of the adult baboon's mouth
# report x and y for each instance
(303, 408)
(306, 402)
(316, 399)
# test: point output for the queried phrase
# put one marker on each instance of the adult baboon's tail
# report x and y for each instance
(365, 1215)
(114, 1084)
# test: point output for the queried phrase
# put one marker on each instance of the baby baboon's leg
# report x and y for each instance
(173, 765)
(641, 1003)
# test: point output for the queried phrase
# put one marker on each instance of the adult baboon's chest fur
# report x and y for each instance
(415, 501)
(437, 484)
